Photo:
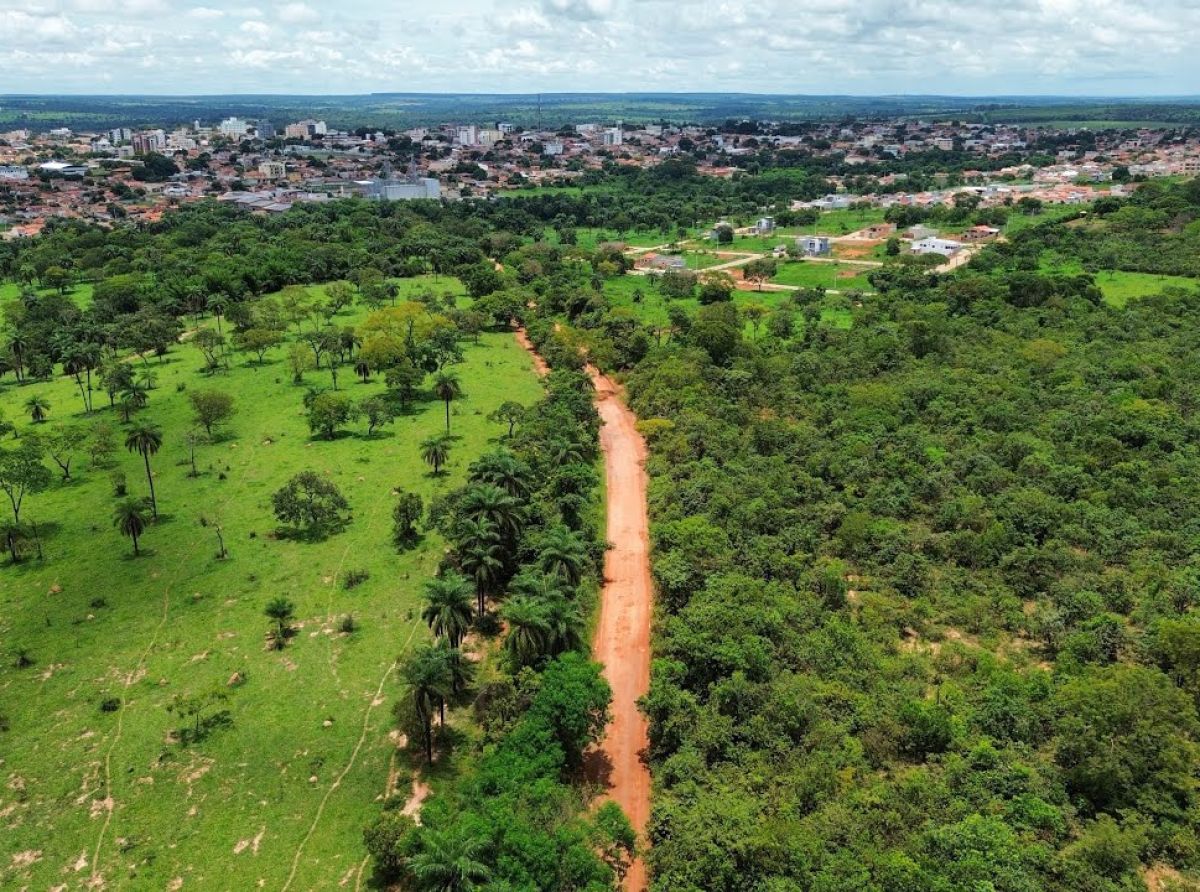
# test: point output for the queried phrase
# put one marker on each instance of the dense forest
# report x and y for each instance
(928, 586)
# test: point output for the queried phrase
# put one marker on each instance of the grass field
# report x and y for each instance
(1118, 286)
(807, 274)
(588, 237)
(283, 792)
(652, 309)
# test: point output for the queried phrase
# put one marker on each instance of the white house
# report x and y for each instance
(931, 245)
(813, 245)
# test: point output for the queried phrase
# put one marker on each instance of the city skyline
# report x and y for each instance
(1029, 47)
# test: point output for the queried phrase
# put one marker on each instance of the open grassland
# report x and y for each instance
(277, 793)
(1118, 286)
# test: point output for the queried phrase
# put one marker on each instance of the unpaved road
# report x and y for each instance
(622, 642)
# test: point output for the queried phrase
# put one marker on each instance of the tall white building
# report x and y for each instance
(234, 128)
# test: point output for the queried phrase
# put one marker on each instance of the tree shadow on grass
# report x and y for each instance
(199, 733)
(337, 435)
(310, 534)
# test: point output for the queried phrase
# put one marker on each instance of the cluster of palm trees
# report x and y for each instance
(489, 529)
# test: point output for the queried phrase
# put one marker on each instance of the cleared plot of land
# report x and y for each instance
(108, 793)
(589, 237)
(830, 276)
(652, 307)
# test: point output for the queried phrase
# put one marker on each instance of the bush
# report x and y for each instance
(355, 578)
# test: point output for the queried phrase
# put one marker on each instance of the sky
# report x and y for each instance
(1060, 47)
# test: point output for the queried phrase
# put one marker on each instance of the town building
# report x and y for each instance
(813, 245)
(944, 246)
(233, 128)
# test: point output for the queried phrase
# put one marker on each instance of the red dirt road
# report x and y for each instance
(622, 642)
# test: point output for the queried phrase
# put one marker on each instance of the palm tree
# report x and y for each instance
(502, 468)
(528, 630)
(450, 863)
(133, 397)
(428, 677)
(486, 501)
(130, 518)
(447, 388)
(481, 556)
(18, 344)
(564, 626)
(447, 609)
(146, 440)
(280, 611)
(436, 452)
(566, 452)
(562, 553)
(39, 408)
(216, 305)
(461, 670)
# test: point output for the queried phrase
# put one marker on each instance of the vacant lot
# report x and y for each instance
(97, 643)
(830, 276)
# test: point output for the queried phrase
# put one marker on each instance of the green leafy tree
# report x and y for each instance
(329, 411)
(258, 341)
(508, 412)
(311, 504)
(21, 473)
(378, 411)
(210, 408)
(406, 516)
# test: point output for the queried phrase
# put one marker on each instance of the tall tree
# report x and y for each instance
(481, 556)
(146, 440)
(427, 675)
(446, 387)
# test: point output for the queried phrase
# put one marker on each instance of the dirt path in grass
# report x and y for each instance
(622, 640)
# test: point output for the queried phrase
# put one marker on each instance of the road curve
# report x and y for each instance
(622, 639)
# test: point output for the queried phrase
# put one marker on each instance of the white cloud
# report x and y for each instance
(822, 46)
(298, 14)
